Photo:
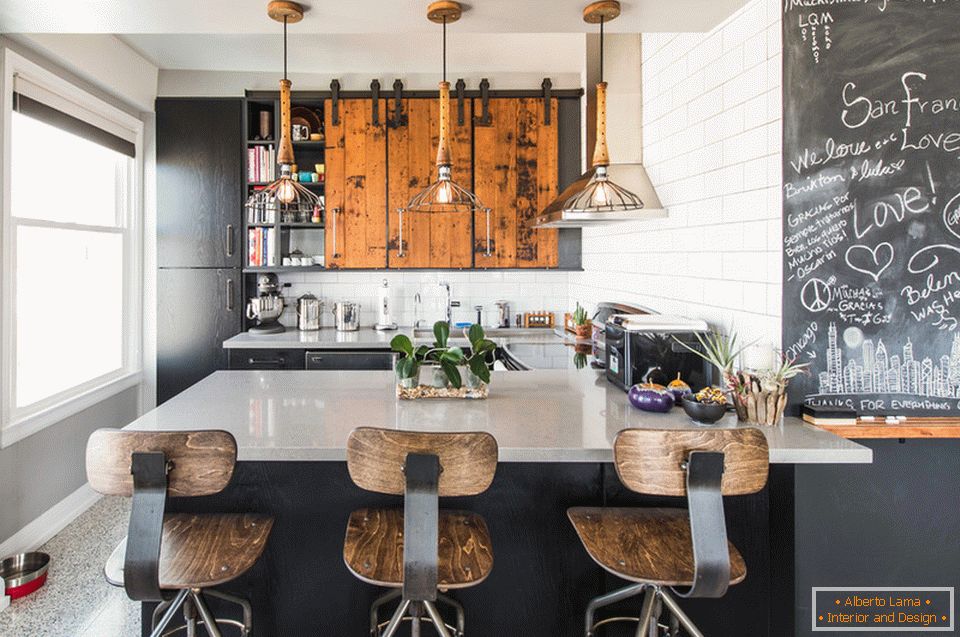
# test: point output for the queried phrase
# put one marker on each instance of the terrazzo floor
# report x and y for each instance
(77, 601)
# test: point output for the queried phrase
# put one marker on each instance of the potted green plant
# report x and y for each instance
(409, 360)
(478, 373)
(582, 325)
(444, 360)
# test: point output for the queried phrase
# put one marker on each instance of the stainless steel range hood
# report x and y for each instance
(633, 177)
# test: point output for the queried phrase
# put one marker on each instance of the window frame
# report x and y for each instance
(18, 423)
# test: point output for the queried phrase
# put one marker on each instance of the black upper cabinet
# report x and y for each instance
(199, 183)
(197, 309)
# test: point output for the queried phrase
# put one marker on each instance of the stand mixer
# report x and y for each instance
(267, 306)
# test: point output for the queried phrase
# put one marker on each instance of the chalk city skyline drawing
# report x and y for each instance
(876, 371)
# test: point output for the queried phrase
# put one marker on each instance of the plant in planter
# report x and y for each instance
(760, 396)
(444, 360)
(409, 360)
(480, 346)
(582, 325)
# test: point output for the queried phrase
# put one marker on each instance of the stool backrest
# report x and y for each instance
(652, 461)
(201, 462)
(376, 459)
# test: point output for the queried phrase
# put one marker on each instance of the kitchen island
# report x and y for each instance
(555, 429)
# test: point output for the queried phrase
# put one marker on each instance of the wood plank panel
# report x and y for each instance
(496, 183)
(431, 240)
(335, 183)
(409, 163)
(517, 173)
(450, 232)
(358, 184)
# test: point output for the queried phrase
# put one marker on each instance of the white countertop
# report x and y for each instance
(368, 338)
(536, 416)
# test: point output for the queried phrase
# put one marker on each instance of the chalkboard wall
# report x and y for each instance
(871, 203)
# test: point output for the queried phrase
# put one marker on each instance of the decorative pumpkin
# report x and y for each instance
(679, 388)
(651, 399)
(651, 386)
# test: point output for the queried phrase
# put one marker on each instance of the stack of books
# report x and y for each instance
(261, 164)
(261, 248)
(825, 416)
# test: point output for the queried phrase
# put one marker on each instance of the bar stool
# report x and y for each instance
(176, 559)
(660, 548)
(419, 551)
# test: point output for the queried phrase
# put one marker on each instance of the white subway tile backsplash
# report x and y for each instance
(712, 127)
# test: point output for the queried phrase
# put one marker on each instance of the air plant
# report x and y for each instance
(718, 349)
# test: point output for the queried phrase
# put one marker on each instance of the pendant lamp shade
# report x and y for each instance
(284, 194)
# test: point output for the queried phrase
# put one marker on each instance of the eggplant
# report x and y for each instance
(650, 399)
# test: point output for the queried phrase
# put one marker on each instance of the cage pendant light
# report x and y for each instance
(444, 195)
(601, 194)
(284, 195)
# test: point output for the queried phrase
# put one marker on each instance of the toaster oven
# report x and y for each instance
(654, 349)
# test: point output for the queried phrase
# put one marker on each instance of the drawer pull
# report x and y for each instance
(266, 361)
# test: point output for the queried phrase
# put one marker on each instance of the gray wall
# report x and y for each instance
(42, 469)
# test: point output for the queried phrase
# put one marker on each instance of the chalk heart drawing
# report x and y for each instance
(872, 261)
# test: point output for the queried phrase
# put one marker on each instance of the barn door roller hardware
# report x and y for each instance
(399, 119)
(335, 102)
(484, 119)
(461, 87)
(547, 86)
(375, 96)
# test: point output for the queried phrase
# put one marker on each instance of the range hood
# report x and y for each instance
(562, 213)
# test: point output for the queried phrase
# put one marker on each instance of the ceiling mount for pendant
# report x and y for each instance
(602, 11)
(281, 10)
(444, 11)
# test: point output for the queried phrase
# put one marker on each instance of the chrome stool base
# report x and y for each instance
(413, 612)
(655, 599)
(192, 602)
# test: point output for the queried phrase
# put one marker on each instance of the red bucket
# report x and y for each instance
(22, 574)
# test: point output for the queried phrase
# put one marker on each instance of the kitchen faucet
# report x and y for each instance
(448, 301)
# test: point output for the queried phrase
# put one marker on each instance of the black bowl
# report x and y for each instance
(706, 413)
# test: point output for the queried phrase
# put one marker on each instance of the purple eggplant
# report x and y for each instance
(651, 399)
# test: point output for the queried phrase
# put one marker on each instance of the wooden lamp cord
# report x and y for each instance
(601, 155)
(443, 148)
(285, 154)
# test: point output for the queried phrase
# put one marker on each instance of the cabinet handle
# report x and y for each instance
(229, 295)
(487, 253)
(400, 217)
(229, 239)
(266, 361)
(336, 254)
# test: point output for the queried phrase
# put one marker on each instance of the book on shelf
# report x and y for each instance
(261, 163)
(828, 415)
(261, 247)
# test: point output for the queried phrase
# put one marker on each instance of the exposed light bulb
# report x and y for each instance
(286, 192)
(600, 195)
(444, 192)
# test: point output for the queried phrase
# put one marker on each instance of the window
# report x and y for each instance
(71, 300)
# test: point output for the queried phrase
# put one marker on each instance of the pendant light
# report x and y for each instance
(601, 194)
(285, 194)
(444, 195)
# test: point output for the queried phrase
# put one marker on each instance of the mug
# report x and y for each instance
(287, 261)
(300, 132)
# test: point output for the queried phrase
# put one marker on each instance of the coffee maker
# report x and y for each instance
(267, 306)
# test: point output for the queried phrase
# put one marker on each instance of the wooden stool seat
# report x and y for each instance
(652, 546)
(373, 548)
(202, 551)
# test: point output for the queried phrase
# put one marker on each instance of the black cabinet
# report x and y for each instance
(198, 309)
(350, 359)
(199, 183)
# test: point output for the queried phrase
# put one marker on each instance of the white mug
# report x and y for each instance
(287, 261)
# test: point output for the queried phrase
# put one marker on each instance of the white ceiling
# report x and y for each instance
(353, 16)
(468, 53)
